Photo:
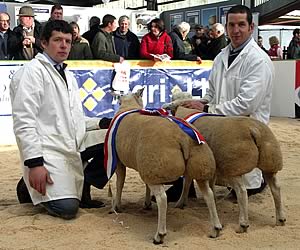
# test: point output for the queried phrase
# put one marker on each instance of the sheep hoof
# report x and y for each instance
(242, 229)
(159, 239)
(216, 232)
(115, 210)
(281, 222)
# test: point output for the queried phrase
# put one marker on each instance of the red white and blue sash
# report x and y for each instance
(110, 153)
(194, 116)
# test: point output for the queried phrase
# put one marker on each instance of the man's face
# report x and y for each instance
(260, 42)
(113, 26)
(238, 28)
(199, 32)
(124, 26)
(26, 21)
(75, 32)
(57, 14)
(4, 22)
(59, 45)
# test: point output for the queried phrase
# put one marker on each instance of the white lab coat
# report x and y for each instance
(243, 89)
(49, 122)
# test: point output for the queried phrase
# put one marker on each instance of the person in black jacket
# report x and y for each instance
(178, 36)
(127, 43)
(94, 29)
(216, 44)
(28, 33)
(7, 38)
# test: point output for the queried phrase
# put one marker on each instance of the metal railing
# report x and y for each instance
(255, 3)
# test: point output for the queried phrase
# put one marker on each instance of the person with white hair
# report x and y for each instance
(126, 42)
(179, 36)
(217, 43)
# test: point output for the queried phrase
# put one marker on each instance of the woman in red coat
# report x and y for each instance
(157, 41)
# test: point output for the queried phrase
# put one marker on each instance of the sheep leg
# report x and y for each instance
(181, 203)
(242, 199)
(275, 189)
(121, 174)
(148, 204)
(210, 202)
(161, 201)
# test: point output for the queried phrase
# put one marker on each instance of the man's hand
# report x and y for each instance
(30, 38)
(194, 104)
(38, 178)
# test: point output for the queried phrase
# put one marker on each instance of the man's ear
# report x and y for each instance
(44, 43)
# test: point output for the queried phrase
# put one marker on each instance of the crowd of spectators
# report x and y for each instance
(113, 41)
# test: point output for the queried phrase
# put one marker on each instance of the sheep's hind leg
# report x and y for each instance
(147, 204)
(275, 190)
(210, 201)
(161, 201)
(185, 192)
(242, 199)
(121, 174)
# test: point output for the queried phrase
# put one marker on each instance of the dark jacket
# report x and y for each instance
(103, 47)
(18, 46)
(128, 45)
(213, 48)
(8, 51)
(179, 48)
(90, 34)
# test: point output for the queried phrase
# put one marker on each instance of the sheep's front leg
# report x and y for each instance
(210, 201)
(185, 192)
(242, 199)
(275, 189)
(121, 174)
(161, 201)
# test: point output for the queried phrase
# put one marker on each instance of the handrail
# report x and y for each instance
(255, 3)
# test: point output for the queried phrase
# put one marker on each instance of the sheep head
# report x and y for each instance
(131, 100)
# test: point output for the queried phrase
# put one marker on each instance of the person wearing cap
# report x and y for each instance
(199, 40)
(28, 33)
(54, 136)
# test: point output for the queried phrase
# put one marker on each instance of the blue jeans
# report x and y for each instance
(64, 208)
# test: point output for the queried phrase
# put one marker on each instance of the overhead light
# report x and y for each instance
(21, 1)
(295, 14)
(105, 1)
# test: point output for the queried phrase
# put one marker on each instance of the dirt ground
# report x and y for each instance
(27, 227)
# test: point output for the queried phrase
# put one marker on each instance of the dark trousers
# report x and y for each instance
(94, 173)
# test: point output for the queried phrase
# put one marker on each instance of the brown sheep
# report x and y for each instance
(239, 144)
(161, 152)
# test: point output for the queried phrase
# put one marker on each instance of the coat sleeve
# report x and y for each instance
(144, 49)
(27, 91)
(168, 46)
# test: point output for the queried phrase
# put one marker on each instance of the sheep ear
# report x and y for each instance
(139, 93)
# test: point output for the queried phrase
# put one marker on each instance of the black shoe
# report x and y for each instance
(86, 200)
(257, 190)
(91, 204)
(22, 192)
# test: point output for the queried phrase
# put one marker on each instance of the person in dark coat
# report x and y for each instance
(127, 43)
(28, 33)
(7, 38)
(216, 44)
(178, 36)
(94, 29)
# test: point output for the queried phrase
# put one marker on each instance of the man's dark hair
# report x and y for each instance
(296, 31)
(259, 37)
(55, 25)
(159, 24)
(94, 21)
(240, 9)
(56, 6)
(108, 19)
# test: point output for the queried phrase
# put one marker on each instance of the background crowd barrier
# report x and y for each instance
(160, 79)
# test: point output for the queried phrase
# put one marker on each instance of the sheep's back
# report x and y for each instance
(152, 146)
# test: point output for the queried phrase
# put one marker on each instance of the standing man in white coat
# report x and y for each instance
(241, 80)
(50, 126)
